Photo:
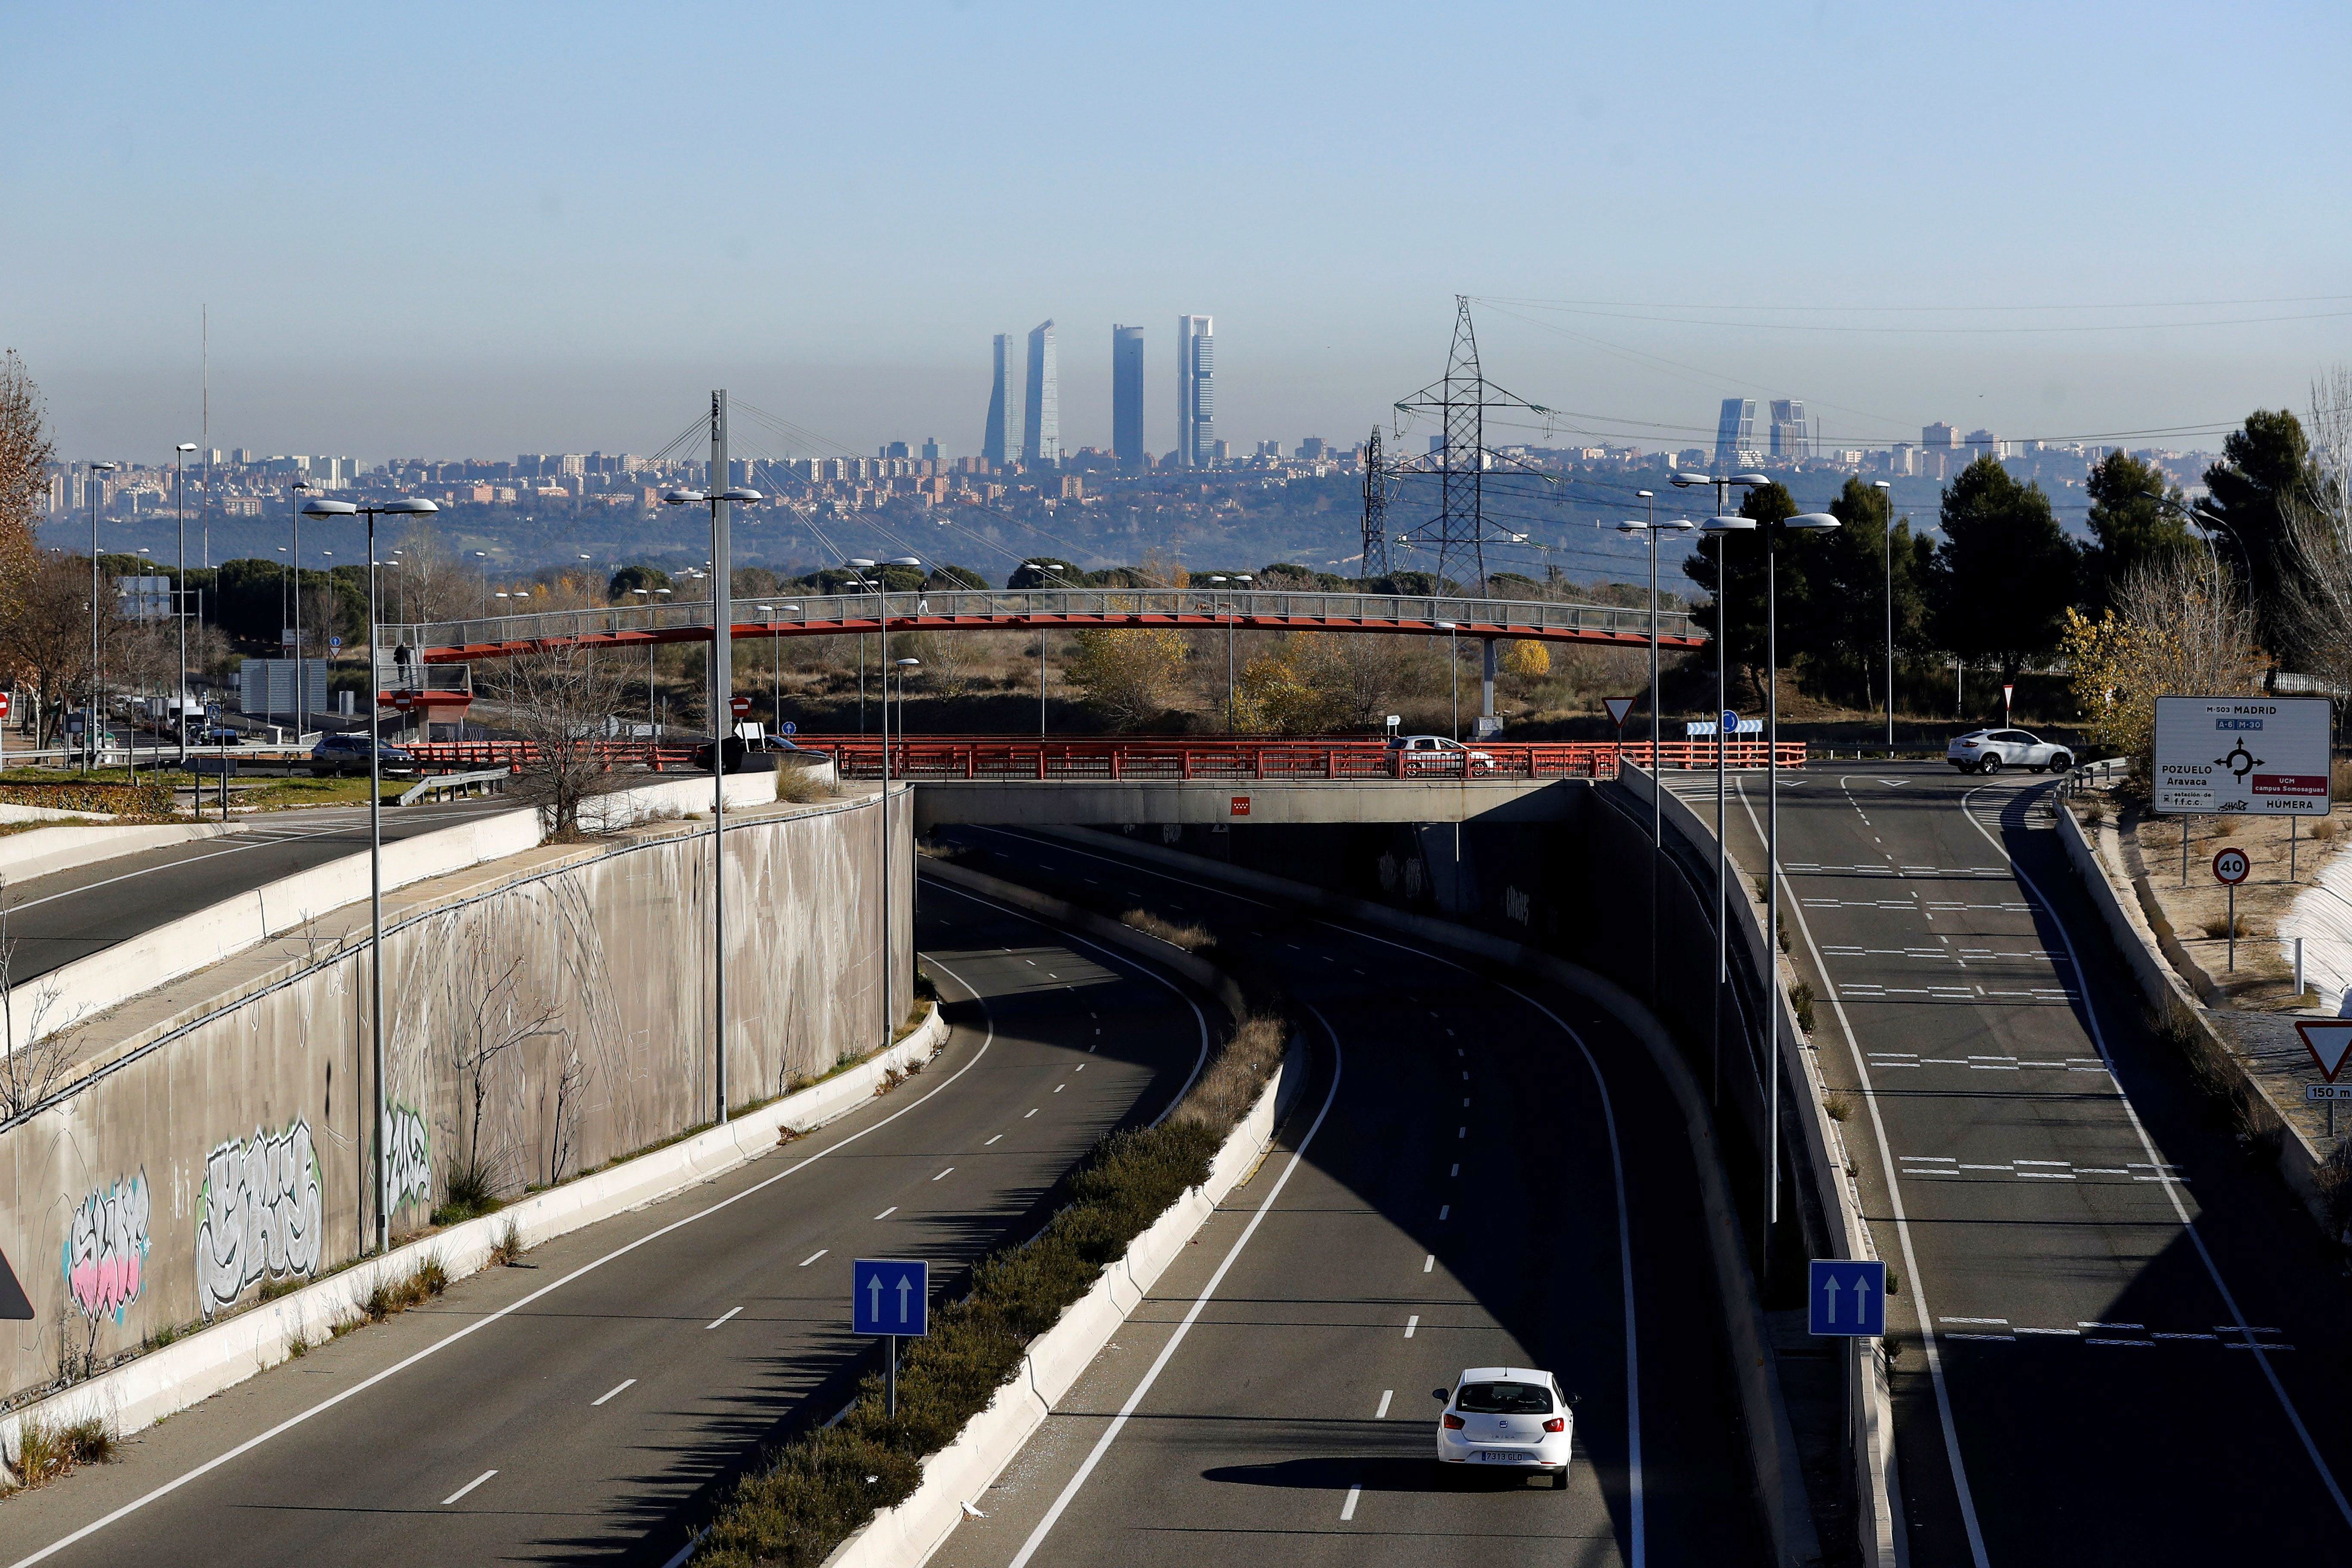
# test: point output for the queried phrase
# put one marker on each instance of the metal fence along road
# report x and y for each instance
(977, 610)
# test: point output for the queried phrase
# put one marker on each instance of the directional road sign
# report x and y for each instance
(890, 1296)
(2329, 1041)
(1618, 708)
(2230, 867)
(788, 728)
(1846, 1298)
(2264, 756)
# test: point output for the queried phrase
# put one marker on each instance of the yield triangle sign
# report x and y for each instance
(2329, 1042)
(1618, 708)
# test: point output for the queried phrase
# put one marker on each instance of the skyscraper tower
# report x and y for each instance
(1196, 404)
(1041, 424)
(1792, 436)
(1127, 395)
(1735, 435)
(1003, 436)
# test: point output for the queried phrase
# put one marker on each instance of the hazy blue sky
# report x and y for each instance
(471, 230)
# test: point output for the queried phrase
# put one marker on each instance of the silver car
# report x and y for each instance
(1990, 751)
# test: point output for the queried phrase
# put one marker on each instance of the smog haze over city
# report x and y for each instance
(457, 232)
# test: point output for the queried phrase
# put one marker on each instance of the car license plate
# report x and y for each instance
(1505, 1455)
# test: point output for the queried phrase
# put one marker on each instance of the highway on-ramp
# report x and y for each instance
(580, 1407)
(2130, 1350)
(1479, 1172)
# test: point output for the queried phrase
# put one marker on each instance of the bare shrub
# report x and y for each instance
(1191, 937)
(48, 1449)
(1232, 1082)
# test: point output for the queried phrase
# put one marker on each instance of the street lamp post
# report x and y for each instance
(89, 730)
(404, 506)
(859, 565)
(1807, 522)
(1043, 568)
(179, 698)
(1651, 528)
(1719, 524)
(722, 725)
(484, 557)
(1886, 489)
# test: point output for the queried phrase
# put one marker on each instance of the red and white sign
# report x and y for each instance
(3, 705)
(2230, 867)
(404, 701)
(2328, 1042)
(1618, 708)
(741, 705)
(1241, 806)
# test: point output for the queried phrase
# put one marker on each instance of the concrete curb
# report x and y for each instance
(2173, 1002)
(25, 855)
(162, 1383)
(907, 1534)
(1778, 1476)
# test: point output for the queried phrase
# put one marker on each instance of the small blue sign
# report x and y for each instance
(334, 642)
(1846, 1298)
(1730, 722)
(788, 728)
(212, 712)
(890, 1296)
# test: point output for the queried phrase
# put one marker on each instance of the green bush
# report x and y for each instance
(117, 800)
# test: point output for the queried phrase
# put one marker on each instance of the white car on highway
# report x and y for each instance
(1414, 754)
(1990, 751)
(1514, 1416)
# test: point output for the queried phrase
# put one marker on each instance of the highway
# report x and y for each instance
(1478, 1173)
(2120, 1335)
(67, 915)
(582, 1406)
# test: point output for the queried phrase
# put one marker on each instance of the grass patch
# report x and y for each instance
(508, 1248)
(424, 1282)
(48, 1449)
(2220, 927)
(470, 1195)
(1191, 937)
(803, 785)
(1800, 1001)
(821, 1486)
(1838, 1104)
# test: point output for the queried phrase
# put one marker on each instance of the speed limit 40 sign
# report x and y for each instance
(2230, 867)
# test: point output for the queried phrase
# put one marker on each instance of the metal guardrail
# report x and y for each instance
(488, 781)
(948, 609)
(925, 760)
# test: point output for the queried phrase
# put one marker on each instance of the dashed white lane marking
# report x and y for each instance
(722, 1317)
(1347, 1508)
(1060, 1087)
(1429, 1263)
(1027, 1114)
(1462, 1132)
(1455, 1172)
(1080, 1068)
(1409, 1324)
(1442, 1210)
(950, 1171)
(992, 1140)
(2122, 1335)
(885, 1214)
(1382, 1413)
(821, 1251)
(1466, 1102)
(2025, 1170)
(608, 1393)
(469, 1486)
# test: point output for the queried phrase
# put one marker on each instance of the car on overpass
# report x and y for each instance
(1510, 1417)
(1990, 751)
(1423, 754)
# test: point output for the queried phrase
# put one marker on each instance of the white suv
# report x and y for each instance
(1990, 751)
(1507, 1416)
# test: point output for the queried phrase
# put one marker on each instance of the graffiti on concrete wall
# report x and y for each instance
(106, 1249)
(260, 1215)
(407, 1157)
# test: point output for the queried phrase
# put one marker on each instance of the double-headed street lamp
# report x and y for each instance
(1805, 522)
(879, 587)
(1053, 569)
(89, 730)
(404, 506)
(1651, 528)
(1887, 492)
(1244, 579)
(722, 731)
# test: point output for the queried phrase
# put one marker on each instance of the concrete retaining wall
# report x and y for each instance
(24, 856)
(228, 1144)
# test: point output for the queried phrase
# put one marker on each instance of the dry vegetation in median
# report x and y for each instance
(1191, 937)
(46, 1449)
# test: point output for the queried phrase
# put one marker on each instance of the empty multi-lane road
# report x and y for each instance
(2120, 1334)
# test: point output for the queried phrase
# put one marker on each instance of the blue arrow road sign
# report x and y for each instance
(890, 1296)
(1846, 1298)
(788, 728)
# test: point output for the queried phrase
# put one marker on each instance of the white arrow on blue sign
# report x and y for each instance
(890, 1296)
(1846, 1298)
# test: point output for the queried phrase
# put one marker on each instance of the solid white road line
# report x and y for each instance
(1168, 1350)
(609, 1393)
(2131, 1113)
(1382, 1413)
(722, 1317)
(469, 1486)
(812, 1256)
(257, 1439)
(885, 1214)
(1347, 1508)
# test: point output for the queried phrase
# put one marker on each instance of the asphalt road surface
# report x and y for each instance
(2122, 1337)
(580, 1407)
(56, 918)
(1474, 1176)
